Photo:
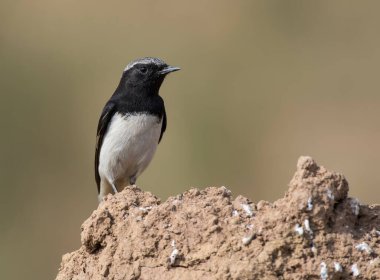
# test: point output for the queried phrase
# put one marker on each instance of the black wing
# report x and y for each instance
(107, 114)
(163, 127)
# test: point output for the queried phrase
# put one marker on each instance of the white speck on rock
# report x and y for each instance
(309, 204)
(330, 194)
(314, 250)
(355, 270)
(298, 229)
(173, 256)
(235, 213)
(324, 271)
(176, 201)
(247, 209)
(364, 247)
(226, 190)
(355, 206)
(145, 209)
(307, 226)
(247, 239)
(338, 267)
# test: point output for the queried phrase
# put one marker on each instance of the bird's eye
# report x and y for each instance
(143, 70)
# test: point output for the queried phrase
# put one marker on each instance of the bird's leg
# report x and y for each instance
(114, 188)
(132, 180)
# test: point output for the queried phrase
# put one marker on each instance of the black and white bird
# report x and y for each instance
(131, 125)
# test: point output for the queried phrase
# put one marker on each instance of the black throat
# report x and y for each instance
(135, 98)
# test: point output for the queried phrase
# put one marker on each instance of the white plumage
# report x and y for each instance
(128, 147)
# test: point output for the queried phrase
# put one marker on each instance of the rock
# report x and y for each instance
(207, 234)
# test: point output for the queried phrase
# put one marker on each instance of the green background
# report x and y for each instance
(262, 82)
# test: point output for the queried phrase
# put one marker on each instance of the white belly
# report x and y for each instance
(128, 146)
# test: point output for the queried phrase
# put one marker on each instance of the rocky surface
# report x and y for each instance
(315, 232)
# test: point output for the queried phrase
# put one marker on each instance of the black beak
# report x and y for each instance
(168, 69)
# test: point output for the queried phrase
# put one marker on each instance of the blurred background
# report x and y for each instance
(262, 82)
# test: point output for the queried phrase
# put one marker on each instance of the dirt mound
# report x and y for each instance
(314, 232)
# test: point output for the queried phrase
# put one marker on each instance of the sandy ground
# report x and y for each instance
(315, 232)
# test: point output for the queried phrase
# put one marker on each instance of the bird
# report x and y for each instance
(131, 125)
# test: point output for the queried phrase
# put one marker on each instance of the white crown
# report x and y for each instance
(145, 60)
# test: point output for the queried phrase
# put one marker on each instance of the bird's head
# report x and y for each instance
(146, 74)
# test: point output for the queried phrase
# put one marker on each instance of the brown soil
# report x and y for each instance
(314, 232)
